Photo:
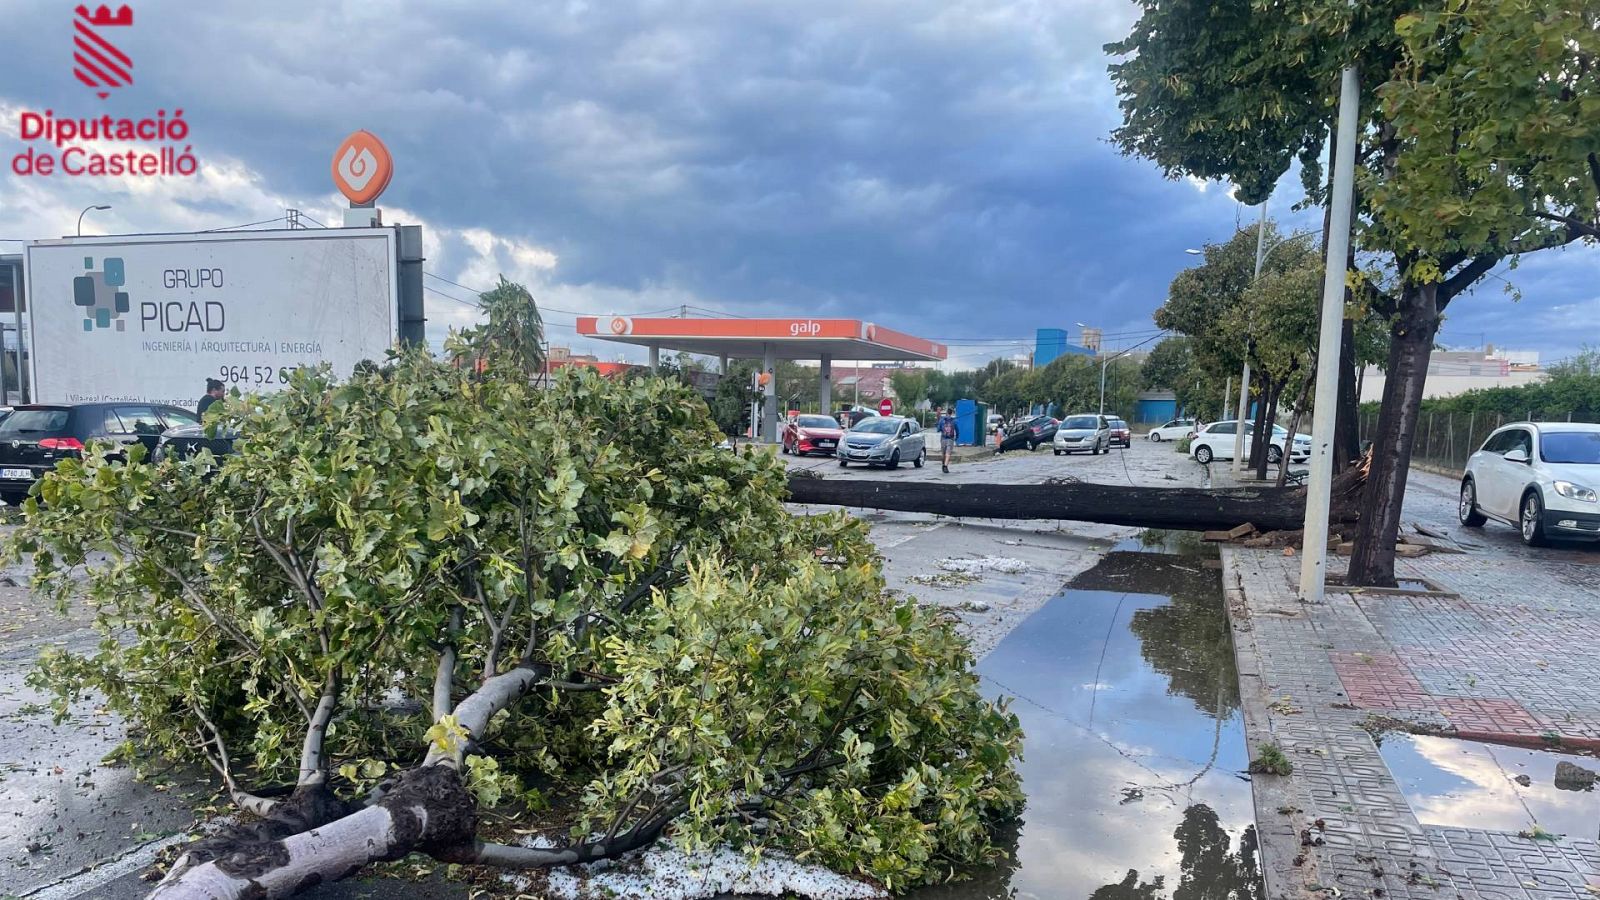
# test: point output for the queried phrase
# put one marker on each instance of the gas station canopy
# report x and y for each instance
(765, 338)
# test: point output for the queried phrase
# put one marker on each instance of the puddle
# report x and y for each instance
(1162, 540)
(1468, 784)
(1127, 692)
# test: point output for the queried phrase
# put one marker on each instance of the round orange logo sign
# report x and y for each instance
(362, 167)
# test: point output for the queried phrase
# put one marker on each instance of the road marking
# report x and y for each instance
(889, 545)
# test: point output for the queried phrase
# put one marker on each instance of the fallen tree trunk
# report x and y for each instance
(1189, 509)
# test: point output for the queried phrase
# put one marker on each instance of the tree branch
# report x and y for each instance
(444, 677)
(241, 798)
(1466, 276)
(313, 766)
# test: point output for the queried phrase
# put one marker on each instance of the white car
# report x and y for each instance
(1215, 441)
(1541, 478)
(1176, 430)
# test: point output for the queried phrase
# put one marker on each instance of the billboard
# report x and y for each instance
(150, 317)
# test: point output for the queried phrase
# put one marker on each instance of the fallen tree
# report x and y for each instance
(1269, 508)
(431, 590)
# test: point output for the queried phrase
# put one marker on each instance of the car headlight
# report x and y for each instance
(1576, 492)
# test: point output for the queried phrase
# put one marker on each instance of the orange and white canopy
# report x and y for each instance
(749, 338)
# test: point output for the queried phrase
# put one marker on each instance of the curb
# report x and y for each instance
(1276, 832)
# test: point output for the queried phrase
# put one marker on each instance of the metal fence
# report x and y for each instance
(1447, 439)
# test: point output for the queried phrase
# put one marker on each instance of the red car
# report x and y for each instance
(1121, 434)
(811, 434)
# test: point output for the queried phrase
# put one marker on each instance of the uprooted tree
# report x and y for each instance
(431, 588)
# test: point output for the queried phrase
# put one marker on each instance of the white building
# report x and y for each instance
(1453, 372)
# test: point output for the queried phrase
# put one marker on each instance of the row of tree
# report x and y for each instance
(1477, 143)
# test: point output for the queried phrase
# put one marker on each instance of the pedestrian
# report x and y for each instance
(946, 426)
(213, 394)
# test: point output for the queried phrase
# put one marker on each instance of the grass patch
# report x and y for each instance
(1271, 761)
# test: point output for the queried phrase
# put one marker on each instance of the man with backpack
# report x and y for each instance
(946, 426)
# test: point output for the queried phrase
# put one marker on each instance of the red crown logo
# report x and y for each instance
(96, 61)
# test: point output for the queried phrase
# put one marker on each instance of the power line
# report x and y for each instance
(245, 225)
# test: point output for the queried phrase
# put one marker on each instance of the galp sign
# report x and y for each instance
(362, 168)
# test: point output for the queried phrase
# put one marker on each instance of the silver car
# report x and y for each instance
(883, 441)
(1084, 433)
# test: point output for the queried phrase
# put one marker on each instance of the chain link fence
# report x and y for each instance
(1446, 440)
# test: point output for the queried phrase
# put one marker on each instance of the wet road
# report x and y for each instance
(1134, 752)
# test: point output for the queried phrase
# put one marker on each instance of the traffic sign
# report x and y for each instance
(886, 407)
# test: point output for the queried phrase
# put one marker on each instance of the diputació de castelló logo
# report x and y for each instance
(96, 59)
(87, 146)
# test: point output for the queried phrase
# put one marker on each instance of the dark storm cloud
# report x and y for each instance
(937, 166)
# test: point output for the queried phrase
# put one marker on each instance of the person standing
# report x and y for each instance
(946, 426)
(213, 394)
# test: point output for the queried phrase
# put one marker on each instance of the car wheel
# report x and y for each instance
(843, 464)
(1532, 519)
(922, 457)
(894, 461)
(1274, 456)
(1202, 455)
(1155, 437)
(1467, 512)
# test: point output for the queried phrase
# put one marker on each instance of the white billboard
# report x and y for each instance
(150, 317)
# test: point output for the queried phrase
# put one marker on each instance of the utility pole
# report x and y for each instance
(1244, 379)
(1314, 550)
(1227, 394)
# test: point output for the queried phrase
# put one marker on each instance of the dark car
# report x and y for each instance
(1121, 434)
(1029, 433)
(36, 436)
(187, 440)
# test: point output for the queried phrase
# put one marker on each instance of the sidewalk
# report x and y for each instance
(1505, 650)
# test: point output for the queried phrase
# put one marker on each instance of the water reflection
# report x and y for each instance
(1127, 692)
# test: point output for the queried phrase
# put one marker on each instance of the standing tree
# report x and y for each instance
(409, 593)
(910, 387)
(1278, 319)
(1477, 145)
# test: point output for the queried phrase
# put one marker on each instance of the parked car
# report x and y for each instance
(187, 440)
(1030, 433)
(993, 424)
(1542, 478)
(851, 417)
(1120, 432)
(811, 434)
(37, 436)
(884, 441)
(1175, 430)
(1215, 441)
(1080, 433)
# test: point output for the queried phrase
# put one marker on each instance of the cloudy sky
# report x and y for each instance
(941, 168)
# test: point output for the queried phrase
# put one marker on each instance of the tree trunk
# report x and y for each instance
(1258, 431)
(1294, 423)
(428, 810)
(1194, 509)
(1372, 559)
(1346, 430)
(1264, 427)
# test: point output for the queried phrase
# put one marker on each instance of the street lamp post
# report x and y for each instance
(1106, 361)
(100, 206)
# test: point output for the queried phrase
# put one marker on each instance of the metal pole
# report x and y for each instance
(1103, 364)
(1244, 379)
(1314, 551)
(1227, 395)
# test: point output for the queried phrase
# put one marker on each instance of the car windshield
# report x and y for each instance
(816, 422)
(25, 421)
(876, 426)
(1570, 447)
(1080, 422)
